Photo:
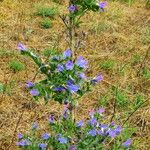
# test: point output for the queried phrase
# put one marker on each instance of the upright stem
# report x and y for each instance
(71, 32)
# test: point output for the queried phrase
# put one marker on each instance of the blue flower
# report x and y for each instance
(81, 62)
(21, 47)
(42, 146)
(34, 126)
(51, 119)
(72, 8)
(59, 88)
(69, 65)
(82, 75)
(93, 121)
(20, 135)
(97, 79)
(73, 88)
(92, 132)
(34, 92)
(23, 143)
(45, 136)
(101, 110)
(29, 84)
(102, 5)
(60, 68)
(127, 143)
(80, 124)
(72, 147)
(62, 140)
(67, 54)
(118, 129)
(111, 133)
(66, 113)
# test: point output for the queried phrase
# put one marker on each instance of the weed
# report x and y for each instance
(107, 64)
(120, 97)
(16, 66)
(46, 11)
(146, 73)
(46, 24)
(1, 87)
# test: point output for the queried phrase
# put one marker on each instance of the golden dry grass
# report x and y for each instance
(116, 34)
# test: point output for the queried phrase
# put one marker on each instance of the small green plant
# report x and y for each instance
(120, 97)
(136, 58)
(16, 66)
(1, 87)
(107, 64)
(46, 24)
(146, 73)
(138, 101)
(46, 11)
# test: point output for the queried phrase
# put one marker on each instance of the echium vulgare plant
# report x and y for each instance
(65, 134)
(65, 81)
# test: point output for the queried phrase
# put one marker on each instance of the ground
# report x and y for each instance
(116, 45)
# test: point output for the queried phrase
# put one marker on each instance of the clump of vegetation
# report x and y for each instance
(46, 11)
(46, 24)
(16, 65)
(107, 64)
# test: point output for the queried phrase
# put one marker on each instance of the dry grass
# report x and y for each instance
(116, 34)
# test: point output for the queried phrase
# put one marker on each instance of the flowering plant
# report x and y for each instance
(65, 79)
(64, 134)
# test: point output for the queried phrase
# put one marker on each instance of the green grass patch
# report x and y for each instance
(46, 24)
(107, 64)
(46, 11)
(16, 65)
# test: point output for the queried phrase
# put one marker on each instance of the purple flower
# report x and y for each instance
(34, 126)
(97, 79)
(60, 68)
(29, 84)
(80, 124)
(67, 54)
(92, 132)
(73, 88)
(100, 132)
(45, 136)
(51, 119)
(59, 88)
(20, 135)
(102, 5)
(23, 143)
(72, 147)
(69, 65)
(82, 76)
(42, 146)
(81, 62)
(92, 112)
(72, 8)
(127, 143)
(34, 92)
(101, 110)
(21, 47)
(62, 140)
(93, 121)
(118, 130)
(66, 113)
(112, 133)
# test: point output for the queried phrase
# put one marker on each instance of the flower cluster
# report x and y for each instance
(84, 134)
(65, 78)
